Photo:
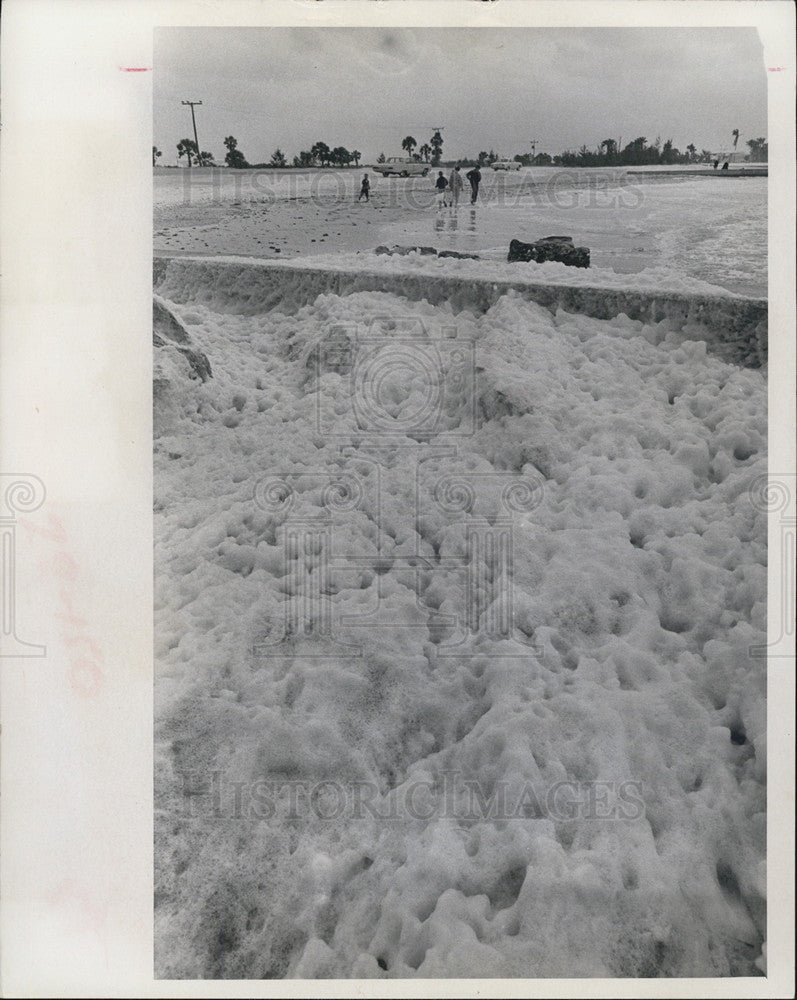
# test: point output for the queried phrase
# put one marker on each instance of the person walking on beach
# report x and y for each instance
(454, 185)
(441, 184)
(474, 176)
(365, 188)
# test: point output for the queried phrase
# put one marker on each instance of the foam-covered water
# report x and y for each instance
(524, 734)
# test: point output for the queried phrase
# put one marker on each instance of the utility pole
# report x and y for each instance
(193, 119)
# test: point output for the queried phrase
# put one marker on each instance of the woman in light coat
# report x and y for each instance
(455, 185)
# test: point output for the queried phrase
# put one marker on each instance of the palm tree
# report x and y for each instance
(355, 155)
(187, 147)
(436, 142)
(234, 157)
(425, 151)
(321, 152)
(609, 146)
(409, 143)
(692, 150)
(735, 135)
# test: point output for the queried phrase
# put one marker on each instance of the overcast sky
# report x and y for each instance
(491, 88)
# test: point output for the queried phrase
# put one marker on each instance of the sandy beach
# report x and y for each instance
(700, 227)
(284, 228)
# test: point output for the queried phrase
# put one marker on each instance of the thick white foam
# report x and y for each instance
(733, 326)
(618, 736)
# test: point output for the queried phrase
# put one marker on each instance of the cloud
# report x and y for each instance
(490, 87)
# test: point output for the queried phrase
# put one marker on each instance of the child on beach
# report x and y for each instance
(365, 188)
(441, 184)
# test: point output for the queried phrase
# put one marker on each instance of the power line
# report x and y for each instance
(193, 119)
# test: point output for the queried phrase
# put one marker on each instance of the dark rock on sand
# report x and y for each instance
(554, 248)
(403, 251)
(427, 251)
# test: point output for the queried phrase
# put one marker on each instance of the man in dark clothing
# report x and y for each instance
(365, 188)
(441, 184)
(474, 176)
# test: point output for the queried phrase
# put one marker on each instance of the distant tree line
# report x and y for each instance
(639, 153)
(759, 150)
(321, 155)
(607, 154)
(429, 152)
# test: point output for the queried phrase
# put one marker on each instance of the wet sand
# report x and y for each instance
(688, 225)
(277, 229)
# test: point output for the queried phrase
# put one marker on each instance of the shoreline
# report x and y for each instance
(733, 327)
(630, 226)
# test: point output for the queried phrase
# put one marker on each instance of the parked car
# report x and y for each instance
(401, 166)
(506, 165)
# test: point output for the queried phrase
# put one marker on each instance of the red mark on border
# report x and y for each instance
(775, 69)
(86, 674)
(135, 69)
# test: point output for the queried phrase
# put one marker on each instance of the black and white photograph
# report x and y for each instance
(399, 566)
(460, 500)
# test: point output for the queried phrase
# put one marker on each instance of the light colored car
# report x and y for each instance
(506, 165)
(401, 166)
